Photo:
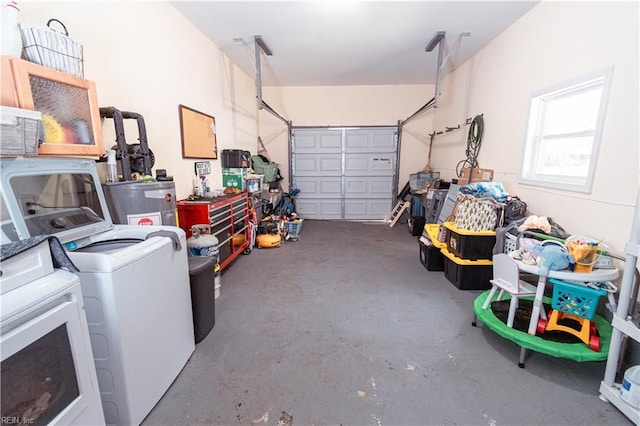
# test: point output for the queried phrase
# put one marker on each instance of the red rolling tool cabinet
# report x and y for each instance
(228, 218)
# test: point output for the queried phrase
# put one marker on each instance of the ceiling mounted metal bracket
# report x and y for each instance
(260, 45)
(260, 42)
(455, 47)
(437, 40)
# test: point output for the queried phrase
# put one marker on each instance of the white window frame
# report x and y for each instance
(534, 137)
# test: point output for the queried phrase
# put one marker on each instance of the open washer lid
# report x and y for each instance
(53, 196)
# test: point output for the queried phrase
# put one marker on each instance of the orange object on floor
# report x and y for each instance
(268, 240)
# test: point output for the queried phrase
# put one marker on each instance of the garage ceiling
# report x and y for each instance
(343, 42)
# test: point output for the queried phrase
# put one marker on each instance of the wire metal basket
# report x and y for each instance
(50, 48)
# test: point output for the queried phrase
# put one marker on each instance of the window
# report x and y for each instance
(564, 131)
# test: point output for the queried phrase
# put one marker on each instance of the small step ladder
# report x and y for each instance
(397, 211)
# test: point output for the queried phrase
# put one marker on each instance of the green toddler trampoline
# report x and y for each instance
(554, 343)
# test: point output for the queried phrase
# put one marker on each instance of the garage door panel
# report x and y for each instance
(382, 164)
(306, 164)
(307, 208)
(370, 140)
(319, 187)
(380, 208)
(366, 209)
(313, 141)
(330, 142)
(330, 164)
(330, 186)
(368, 187)
(381, 185)
(305, 142)
(319, 209)
(355, 209)
(356, 142)
(318, 164)
(355, 186)
(362, 164)
(356, 163)
(306, 186)
(384, 141)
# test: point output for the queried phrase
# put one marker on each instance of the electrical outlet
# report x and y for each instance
(26, 204)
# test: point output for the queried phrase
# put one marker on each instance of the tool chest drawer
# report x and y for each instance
(227, 218)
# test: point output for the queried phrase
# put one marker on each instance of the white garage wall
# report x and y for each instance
(349, 106)
(147, 58)
(555, 42)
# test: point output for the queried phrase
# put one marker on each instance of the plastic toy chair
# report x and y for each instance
(506, 277)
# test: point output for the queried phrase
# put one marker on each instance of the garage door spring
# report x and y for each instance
(474, 140)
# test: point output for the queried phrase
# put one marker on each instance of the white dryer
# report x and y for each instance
(48, 375)
(134, 279)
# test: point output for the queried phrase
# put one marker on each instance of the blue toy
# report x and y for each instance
(554, 257)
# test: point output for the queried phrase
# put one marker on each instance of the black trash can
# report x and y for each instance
(201, 278)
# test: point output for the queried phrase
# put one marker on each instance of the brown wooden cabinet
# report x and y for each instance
(69, 106)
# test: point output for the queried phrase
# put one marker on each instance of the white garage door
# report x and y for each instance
(344, 173)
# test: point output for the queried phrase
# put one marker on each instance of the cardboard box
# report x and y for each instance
(477, 175)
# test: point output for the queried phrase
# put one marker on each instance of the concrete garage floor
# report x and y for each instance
(347, 327)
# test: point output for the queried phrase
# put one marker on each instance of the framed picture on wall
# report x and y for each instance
(198, 132)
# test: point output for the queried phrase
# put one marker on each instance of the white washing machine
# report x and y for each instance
(134, 279)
